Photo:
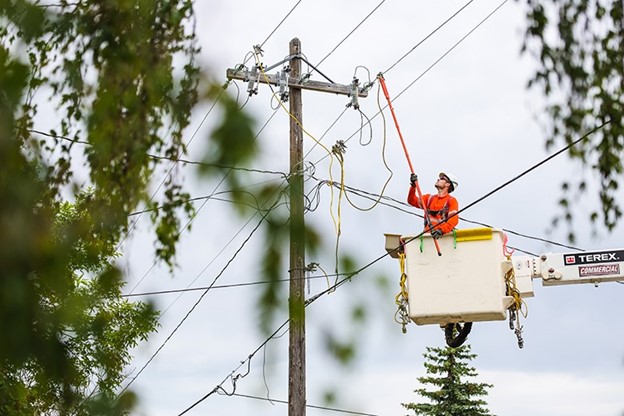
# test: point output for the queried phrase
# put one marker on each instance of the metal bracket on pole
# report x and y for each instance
(252, 78)
(283, 83)
(354, 94)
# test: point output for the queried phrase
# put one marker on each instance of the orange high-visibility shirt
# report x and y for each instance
(439, 209)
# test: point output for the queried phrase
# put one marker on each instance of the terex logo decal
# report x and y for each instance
(593, 257)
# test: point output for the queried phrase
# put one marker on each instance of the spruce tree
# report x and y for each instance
(453, 394)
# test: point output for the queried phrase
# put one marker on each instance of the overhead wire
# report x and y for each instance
(214, 165)
(408, 210)
(240, 248)
(351, 32)
(311, 406)
(427, 37)
(383, 158)
(219, 387)
(327, 56)
(203, 204)
(280, 23)
(201, 123)
(214, 197)
(431, 66)
(222, 271)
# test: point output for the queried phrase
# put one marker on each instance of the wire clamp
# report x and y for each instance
(282, 77)
(252, 78)
(354, 94)
(311, 267)
(339, 148)
(258, 50)
(305, 78)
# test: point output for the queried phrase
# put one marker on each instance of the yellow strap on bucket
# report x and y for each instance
(474, 234)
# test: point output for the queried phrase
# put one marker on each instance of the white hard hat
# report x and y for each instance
(452, 179)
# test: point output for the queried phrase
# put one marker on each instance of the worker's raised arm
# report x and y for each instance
(412, 197)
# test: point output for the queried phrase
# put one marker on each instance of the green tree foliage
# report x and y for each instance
(88, 91)
(578, 48)
(453, 395)
(94, 329)
(107, 68)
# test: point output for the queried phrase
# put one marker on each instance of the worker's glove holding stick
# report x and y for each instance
(436, 233)
(413, 179)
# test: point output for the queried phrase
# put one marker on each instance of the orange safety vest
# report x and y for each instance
(438, 208)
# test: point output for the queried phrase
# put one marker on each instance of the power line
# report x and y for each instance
(202, 206)
(230, 286)
(330, 409)
(426, 70)
(280, 23)
(308, 302)
(219, 387)
(350, 33)
(197, 302)
(373, 197)
(387, 70)
(215, 198)
(225, 246)
(547, 159)
(133, 225)
(214, 165)
(428, 36)
(452, 48)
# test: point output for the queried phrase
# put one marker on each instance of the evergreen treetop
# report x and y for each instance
(452, 393)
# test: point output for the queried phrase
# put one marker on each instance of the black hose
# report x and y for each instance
(462, 333)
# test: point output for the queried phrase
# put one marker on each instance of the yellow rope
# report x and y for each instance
(331, 158)
(512, 290)
(383, 158)
(401, 316)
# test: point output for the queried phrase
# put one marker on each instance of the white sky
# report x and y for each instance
(470, 114)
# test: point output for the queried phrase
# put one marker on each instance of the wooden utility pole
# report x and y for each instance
(296, 301)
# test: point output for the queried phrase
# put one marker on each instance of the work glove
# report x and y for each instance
(436, 233)
(413, 179)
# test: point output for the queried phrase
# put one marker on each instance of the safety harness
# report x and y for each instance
(442, 213)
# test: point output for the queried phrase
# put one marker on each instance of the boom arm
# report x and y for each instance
(572, 268)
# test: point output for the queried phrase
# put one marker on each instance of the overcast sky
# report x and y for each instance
(469, 114)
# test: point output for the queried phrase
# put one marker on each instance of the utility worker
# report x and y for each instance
(440, 207)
